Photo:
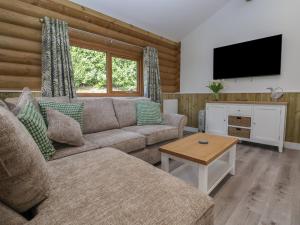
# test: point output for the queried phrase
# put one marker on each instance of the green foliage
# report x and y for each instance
(90, 70)
(215, 86)
(124, 74)
(89, 67)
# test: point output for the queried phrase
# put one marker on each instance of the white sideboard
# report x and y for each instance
(259, 122)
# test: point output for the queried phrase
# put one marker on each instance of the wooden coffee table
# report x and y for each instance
(204, 165)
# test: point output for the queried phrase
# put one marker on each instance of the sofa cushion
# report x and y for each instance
(117, 138)
(107, 186)
(23, 173)
(34, 123)
(98, 115)
(63, 129)
(73, 110)
(26, 96)
(63, 150)
(148, 113)
(155, 133)
(10, 217)
(126, 110)
(3, 104)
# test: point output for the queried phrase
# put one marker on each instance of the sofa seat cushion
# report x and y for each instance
(107, 186)
(123, 140)
(66, 150)
(155, 133)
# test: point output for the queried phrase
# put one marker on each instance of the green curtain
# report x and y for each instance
(57, 72)
(151, 74)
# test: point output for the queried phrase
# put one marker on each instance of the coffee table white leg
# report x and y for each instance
(232, 158)
(203, 178)
(165, 162)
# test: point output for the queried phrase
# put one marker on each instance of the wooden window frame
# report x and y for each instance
(109, 55)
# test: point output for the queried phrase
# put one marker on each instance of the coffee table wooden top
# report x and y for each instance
(189, 148)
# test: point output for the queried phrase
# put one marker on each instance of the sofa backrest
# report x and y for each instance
(23, 172)
(125, 109)
(98, 114)
(10, 217)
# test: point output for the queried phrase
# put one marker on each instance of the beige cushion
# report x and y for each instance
(117, 138)
(10, 217)
(23, 174)
(126, 110)
(63, 129)
(66, 150)
(25, 96)
(98, 115)
(3, 104)
(61, 99)
(107, 186)
(155, 133)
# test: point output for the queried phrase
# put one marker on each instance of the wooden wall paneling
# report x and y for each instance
(12, 56)
(33, 10)
(20, 37)
(92, 16)
(13, 82)
(20, 69)
(190, 104)
(20, 44)
(19, 19)
(22, 32)
(113, 23)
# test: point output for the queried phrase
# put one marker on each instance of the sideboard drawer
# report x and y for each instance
(239, 132)
(241, 121)
(240, 110)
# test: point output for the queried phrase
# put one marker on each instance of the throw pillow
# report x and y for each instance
(63, 129)
(73, 110)
(34, 123)
(23, 99)
(3, 104)
(24, 180)
(148, 113)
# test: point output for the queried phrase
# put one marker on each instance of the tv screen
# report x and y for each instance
(260, 57)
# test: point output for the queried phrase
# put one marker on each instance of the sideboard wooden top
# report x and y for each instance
(250, 102)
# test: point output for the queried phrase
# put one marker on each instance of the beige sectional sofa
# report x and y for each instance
(102, 183)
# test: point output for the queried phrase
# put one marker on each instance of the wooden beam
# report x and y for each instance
(22, 70)
(20, 32)
(15, 83)
(12, 56)
(92, 16)
(100, 47)
(19, 44)
(99, 39)
(32, 10)
(19, 19)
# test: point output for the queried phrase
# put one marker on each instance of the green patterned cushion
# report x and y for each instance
(148, 113)
(34, 123)
(73, 110)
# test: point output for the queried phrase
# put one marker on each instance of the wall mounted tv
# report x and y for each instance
(259, 57)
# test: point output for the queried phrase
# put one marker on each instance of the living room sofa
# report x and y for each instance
(101, 182)
(111, 122)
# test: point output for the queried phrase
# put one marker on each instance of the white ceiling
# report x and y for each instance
(172, 19)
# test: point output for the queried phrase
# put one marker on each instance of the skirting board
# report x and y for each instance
(288, 145)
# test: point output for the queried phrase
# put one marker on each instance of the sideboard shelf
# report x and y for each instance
(258, 122)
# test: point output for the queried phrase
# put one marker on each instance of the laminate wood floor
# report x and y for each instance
(264, 191)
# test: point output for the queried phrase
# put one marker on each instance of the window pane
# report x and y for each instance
(89, 70)
(124, 74)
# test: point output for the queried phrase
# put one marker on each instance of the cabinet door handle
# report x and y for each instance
(239, 118)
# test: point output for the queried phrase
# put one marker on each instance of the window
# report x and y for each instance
(105, 73)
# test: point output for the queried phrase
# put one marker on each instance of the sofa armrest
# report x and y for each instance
(176, 120)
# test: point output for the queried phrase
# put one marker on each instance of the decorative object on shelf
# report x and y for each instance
(216, 86)
(276, 93)
(203, 142)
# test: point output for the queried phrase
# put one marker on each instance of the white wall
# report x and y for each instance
(241, 21)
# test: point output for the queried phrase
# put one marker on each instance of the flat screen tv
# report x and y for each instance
(261, 57)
